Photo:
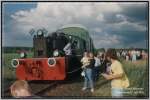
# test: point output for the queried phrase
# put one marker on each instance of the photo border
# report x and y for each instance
(76, 97)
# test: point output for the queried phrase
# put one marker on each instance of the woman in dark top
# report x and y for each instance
(88, 74)
(92, 61)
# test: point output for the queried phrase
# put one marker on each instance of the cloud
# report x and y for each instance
(100, 17)
(105, 40)
(97, 29)
(53, 14)
(136, 11)
(110, 24)
(121, 17)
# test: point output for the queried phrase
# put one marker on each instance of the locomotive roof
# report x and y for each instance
(74, 25)
(76, 31)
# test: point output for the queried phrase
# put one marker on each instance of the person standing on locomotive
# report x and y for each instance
(74, 47)
(70, 46)
(88, 74)
(67, 47)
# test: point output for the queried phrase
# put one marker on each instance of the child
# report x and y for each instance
(85, 60)
(20, 89)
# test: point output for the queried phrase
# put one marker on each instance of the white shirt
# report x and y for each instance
(67, 49)
(97, 62)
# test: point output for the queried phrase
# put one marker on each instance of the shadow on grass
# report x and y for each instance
(102, 83)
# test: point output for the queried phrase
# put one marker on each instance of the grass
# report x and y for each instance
(137, 73)
(8, 72)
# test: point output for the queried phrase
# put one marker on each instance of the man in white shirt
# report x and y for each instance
(67, 49)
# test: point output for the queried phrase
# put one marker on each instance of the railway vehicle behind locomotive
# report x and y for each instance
(55, 55)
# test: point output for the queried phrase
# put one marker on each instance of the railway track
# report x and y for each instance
(39, 88)
(50, 89)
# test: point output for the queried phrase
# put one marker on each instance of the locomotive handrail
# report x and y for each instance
(73, 71)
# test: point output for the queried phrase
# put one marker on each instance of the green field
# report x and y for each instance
(8, 72)
(138, 76)
(136, 72)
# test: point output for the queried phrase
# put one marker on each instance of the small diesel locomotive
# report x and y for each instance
(55, 55)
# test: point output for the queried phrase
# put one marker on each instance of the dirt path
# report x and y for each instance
(73, 89)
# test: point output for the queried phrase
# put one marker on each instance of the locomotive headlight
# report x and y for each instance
(56, 53)
(51, 62)
(22, 54)
(39, 32)
(15, 63)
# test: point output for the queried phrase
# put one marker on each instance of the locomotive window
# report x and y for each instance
(76, 44)
(40, 52)
(84, 45)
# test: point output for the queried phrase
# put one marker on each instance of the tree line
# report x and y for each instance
(16, 49)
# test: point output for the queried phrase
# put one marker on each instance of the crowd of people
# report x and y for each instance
(132, 55)
(106, 64)
(109, 66)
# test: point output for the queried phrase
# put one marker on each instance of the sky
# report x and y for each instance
(110, 24)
